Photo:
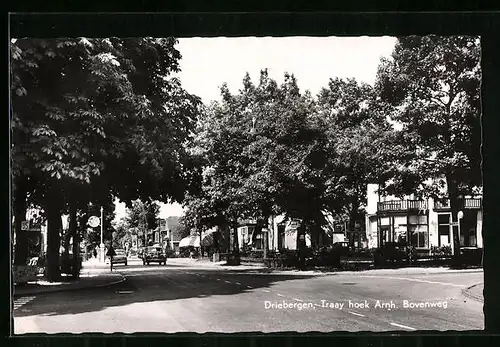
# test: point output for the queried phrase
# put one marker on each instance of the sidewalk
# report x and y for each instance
(475, 292)
(92, 275)
(311, 271)
(410, 271)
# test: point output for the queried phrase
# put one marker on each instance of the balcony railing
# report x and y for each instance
(401, 205)
(468, 203)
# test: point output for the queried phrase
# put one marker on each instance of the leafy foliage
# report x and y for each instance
(360, 145)
(95, 118)
(432, 84)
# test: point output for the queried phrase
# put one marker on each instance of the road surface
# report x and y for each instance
(182, 297)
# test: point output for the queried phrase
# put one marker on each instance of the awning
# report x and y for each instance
(190, 241)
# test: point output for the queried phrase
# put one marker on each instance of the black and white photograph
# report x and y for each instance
(246, 184)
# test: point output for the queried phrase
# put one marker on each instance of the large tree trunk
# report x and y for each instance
(53, 206)
(73, 232)
(201, 240)
(301, 243)
(20, 207)
(82, 230)
(224, 244)
(454, 206)
(236, 245)
(353, 216)
(236, 242)
(265, 236)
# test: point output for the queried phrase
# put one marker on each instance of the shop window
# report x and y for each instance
(419, 231)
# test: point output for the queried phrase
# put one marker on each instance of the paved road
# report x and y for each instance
(182, 297)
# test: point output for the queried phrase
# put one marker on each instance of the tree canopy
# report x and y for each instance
(93, 118)
(432, 84)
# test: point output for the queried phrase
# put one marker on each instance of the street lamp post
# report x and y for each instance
(460, 215)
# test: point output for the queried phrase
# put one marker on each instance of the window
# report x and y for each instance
(444, 229)
(419, 231)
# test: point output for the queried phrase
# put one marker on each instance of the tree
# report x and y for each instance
(262, 155)
(96, 115)
(143, 216)
(176, 225)
(359, 145)
(432, 84)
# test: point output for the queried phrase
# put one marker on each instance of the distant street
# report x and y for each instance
(183, 297)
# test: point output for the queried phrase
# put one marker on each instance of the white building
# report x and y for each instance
(423, 223)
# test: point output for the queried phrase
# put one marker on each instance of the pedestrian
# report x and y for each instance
(94, 253)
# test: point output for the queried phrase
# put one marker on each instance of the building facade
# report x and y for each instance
(423, 223)
(283, 234)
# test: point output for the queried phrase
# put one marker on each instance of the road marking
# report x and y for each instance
(25, 299)
(265, 290)
(124, 292)
(250, 287)
(416, 280)
(280, 295)
(297, 299)
(317, 305)
(218, 279)
(402, 326)
(227, 282)
(22, 301)
(238, 283)
(356, 314)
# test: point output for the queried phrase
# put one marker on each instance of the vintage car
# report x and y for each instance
(154, 254)
(120, 257)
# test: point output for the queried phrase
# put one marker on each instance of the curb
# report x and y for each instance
(374, 272)
(59, 290)
(404, 273)
(466, 293)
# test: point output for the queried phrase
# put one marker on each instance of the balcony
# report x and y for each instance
(468, 203)
(401, 205)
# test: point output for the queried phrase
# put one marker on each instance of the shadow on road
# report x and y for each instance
(156, 283)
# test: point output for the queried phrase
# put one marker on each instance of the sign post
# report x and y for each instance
(94, 222)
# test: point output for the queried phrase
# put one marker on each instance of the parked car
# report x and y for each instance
(154, 254)
(391, 252)
(120, 257)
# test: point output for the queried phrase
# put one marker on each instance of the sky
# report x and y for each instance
(209, 62)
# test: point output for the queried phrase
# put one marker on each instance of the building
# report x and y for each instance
(423, 223)
(282, 234)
